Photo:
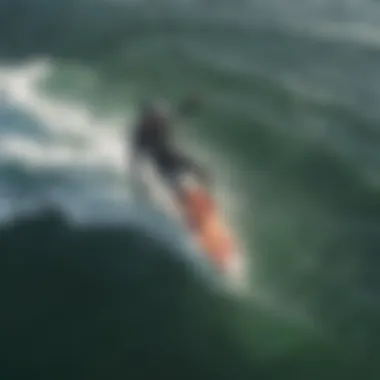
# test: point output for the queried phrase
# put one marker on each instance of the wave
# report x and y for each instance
(111, 300)
(293, 119)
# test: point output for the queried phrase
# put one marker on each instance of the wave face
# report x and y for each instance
(95, 283)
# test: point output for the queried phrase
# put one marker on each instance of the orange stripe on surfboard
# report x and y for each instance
(208, 227)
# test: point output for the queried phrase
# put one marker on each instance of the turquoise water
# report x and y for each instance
(290, 129)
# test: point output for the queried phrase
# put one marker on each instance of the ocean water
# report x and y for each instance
(95, 283)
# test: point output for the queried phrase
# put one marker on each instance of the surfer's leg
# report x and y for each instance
(188, 165)
(170, 173)
(174, 182)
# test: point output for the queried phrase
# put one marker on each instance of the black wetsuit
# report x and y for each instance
(154, 139)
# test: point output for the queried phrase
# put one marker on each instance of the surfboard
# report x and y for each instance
(206, 225)
(201, 220)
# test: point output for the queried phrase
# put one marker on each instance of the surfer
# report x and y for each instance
(153, 137)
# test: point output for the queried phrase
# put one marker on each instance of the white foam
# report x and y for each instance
(102, 141)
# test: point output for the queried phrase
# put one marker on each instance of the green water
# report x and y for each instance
(290, 127)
